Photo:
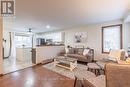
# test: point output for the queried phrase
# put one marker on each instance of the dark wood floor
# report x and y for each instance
(36, 76)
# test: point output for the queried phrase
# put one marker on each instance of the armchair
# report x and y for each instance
(116, 75)
(113, 57)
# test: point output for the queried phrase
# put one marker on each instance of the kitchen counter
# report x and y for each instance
(42, 53)
(48, 45)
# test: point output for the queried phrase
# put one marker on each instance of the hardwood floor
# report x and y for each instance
(37, 76)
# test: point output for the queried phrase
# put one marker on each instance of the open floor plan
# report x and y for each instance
(64, 43)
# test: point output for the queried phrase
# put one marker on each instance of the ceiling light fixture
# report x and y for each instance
(48, 26)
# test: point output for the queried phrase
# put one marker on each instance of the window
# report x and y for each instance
(23, 41)
(111, 38)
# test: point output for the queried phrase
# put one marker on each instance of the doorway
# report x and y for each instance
(17, 48)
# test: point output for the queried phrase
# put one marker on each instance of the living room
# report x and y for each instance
(66, 42)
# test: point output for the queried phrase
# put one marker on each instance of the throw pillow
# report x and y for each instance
(85, 52)
(80, 51)
(66, 50)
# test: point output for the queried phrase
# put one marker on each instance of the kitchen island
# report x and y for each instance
(44, 53)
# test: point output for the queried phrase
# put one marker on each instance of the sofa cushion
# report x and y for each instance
(80, 51)
(76, 56)
(80, 57)
(117, 55)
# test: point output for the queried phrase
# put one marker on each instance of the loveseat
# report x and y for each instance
(77, 53)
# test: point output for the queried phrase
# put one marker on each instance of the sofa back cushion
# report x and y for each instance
(75, 51)
(116, 55)
(80, 51)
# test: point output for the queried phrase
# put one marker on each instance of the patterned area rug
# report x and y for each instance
(80, 71)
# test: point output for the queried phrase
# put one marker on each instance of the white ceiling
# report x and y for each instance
(63, 14)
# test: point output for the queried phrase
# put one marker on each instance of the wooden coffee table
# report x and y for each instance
(65, 62)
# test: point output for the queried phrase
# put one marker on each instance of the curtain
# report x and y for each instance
(13, 48)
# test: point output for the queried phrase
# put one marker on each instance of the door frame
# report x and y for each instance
(1, 46)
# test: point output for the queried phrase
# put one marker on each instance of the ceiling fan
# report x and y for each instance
(29, 31)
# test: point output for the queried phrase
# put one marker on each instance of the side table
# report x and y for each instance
(93, 67)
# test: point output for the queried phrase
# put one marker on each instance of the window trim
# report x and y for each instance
(121, 36)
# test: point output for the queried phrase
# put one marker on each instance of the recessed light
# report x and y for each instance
(48, 26)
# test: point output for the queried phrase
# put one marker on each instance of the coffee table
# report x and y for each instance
(65, 62)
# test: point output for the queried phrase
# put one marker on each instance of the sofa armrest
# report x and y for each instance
(90, 55)
(62, 53)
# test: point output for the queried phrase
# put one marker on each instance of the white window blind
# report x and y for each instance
(112, 38)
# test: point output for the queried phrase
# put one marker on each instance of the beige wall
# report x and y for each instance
(126, 35)
(1, 42)
(94, 38)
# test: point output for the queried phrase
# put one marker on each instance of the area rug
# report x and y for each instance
(81, 71)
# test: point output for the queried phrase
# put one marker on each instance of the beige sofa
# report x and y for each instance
(116, 75)
(77, 53)
(113, 57)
